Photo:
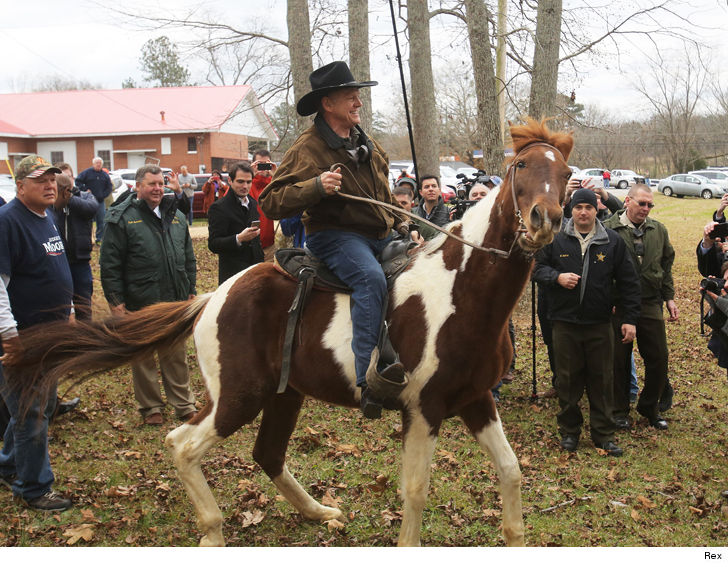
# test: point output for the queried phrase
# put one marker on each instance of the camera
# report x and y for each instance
(265, 165)
(712, 284)
(719, 231)
(459, 205)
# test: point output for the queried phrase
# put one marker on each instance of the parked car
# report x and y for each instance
(7, 188)
(716, 176)
(683, 184)
(593, 174)
(625, 178)
(128, 175)
(119, 185)
(448, 176)
(201, 178)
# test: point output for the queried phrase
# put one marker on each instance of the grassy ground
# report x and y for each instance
(663, 492)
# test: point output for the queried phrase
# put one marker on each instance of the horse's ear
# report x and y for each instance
(564, 143)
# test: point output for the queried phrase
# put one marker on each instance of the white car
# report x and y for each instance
(625, 178)
(716, 176)
(7, 188)
(128, 175)
(448, 179)
(593, 174)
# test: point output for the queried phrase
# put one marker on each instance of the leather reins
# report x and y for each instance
(495, 251)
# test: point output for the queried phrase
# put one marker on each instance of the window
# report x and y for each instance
(56, 157)
(191, 145)
(166, 146)
(106, 156)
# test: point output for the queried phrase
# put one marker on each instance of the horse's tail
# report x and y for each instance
(60, 351)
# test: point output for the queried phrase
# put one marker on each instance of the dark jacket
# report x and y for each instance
(440, 215)
(98, 182)
(605, 264)
(296, 186)
(74, 225)
(145, 259)
(226, 218)
(655, 270)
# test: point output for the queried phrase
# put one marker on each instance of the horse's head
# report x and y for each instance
(537, 178)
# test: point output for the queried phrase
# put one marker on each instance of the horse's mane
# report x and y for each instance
(535, 131)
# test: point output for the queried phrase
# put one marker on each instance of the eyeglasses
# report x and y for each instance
(648, 204)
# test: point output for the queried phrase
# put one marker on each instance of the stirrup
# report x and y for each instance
(388, 383)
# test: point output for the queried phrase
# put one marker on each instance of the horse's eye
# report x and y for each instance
(521, 164)
(568, 175)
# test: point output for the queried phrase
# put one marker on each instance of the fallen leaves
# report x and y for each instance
(252, 518)
(83, 532)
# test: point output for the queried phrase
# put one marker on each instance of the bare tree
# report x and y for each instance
(674, 93)
(59, 83)
(424, 113)
(489, 135)
(544, 75)
(359, 55)
(299, 48)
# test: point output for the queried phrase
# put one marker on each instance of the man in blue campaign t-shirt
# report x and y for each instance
(35, 287)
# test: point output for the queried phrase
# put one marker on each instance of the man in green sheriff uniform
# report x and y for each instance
(147, 257)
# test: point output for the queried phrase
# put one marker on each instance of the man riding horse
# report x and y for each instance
(346, 236)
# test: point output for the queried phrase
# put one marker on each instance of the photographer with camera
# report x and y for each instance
(73, 213)
(264, 169)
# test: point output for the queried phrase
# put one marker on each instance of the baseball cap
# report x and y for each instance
(34, 166)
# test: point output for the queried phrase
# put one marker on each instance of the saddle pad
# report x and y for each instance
(290, 261)
(394, 259)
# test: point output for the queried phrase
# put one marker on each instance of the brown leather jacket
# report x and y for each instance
(296, 187)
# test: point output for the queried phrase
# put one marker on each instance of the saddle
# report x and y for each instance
(309, 272)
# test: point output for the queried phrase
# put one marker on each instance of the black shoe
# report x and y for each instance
(50, 502)
(7, 481)
(658, 423)
(611, 449)
(569, 443)
(622, 422)
(666, 398)
(371, 407)
(65, 407)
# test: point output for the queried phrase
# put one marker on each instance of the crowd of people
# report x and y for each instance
(603, 282)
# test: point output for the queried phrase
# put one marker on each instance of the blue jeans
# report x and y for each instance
(352, 257)
(99, 218)
(25, 448)
(83, 288)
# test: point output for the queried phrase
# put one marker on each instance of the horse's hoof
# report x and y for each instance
(212, 540)
(324, 513)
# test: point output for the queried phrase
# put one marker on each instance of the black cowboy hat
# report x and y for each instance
(336, 75)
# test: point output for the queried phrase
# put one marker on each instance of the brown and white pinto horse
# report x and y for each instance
(448, 314)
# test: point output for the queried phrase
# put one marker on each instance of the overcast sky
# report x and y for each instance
(84, 40)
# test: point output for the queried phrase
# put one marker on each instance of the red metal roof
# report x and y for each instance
(132, 111)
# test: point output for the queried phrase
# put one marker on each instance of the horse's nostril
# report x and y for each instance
(536, 217)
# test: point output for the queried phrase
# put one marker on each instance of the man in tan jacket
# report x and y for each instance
(336, 155)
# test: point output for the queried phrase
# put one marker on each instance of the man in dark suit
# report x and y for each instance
(234, 225)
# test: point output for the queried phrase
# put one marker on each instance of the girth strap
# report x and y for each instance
(305, 283)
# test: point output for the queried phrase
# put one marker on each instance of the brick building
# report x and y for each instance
(203, 127)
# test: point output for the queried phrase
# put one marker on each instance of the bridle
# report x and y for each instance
(494, 251)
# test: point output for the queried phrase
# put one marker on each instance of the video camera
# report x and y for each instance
(461, 203)
(712, 284)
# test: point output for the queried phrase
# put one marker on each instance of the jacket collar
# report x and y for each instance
(334, 141)
(600, 236)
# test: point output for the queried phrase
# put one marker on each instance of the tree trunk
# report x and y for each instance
(299, 47)
(486, 91)
(500, 65)
(359, 55)
(545, 71)
(424, 112)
